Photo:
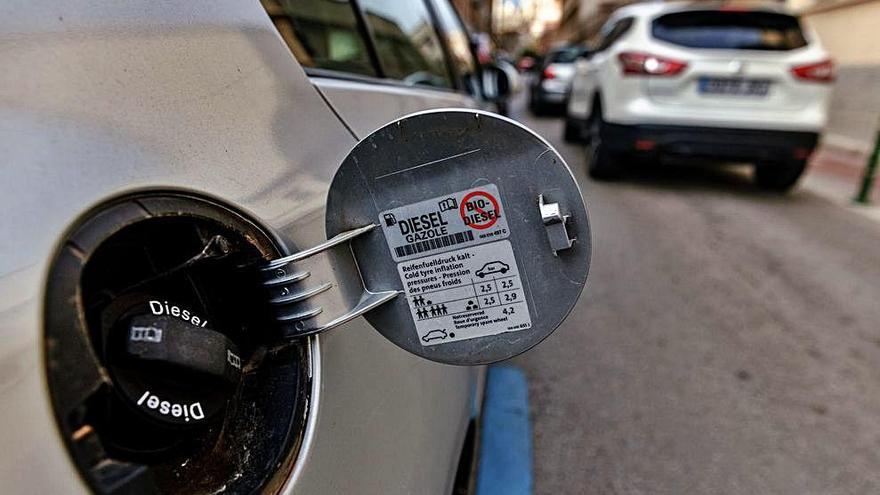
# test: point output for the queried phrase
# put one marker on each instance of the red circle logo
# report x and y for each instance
(474, 211)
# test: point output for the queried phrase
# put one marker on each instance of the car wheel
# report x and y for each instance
(572, 133)
(536, 107)
(779, 176)
(603, 163)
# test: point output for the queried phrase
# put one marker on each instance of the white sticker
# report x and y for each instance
(444, 223)
(464, 294)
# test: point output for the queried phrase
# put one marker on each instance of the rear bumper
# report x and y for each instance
(709, 142)
(551, 91)
(544, 96)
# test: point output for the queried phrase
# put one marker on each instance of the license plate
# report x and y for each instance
(734, 87)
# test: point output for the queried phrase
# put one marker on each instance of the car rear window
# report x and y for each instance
(730, 30)
(566, 56)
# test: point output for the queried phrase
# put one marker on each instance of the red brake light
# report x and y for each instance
(548, 73)
(821, 72)
(644, 64)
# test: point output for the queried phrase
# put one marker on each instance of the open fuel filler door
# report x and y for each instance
(460, 235)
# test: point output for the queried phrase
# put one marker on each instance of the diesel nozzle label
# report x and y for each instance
(444, 223)
(466, 293)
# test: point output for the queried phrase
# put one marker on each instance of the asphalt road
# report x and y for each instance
(728, 341)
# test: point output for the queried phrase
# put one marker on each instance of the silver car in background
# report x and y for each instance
(551, 82)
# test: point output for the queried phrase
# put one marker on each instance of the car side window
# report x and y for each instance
(613, 32)
(462, 59)
(406, 42)
(322, 34)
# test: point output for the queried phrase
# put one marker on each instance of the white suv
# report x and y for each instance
(704, 80)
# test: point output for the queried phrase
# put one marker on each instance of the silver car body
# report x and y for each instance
(98, 99)
(553, 83)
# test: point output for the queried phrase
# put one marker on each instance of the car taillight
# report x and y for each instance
(548, 73)
(821, 72)
(644, 64)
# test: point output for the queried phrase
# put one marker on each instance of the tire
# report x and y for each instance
(537, 109)
(779, 176)
(536, 106)
(603, 164)
(572, 133)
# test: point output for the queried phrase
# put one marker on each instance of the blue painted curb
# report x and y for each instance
(505, 464)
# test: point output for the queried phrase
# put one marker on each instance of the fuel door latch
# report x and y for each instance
(555, 222)
(316, 289)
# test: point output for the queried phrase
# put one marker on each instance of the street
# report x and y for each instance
(728, 341)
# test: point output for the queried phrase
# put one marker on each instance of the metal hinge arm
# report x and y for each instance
(319, 288)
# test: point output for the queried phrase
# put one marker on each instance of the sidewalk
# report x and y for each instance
(837, 174)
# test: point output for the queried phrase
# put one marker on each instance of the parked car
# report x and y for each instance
(738, 84)
(153, 151)
(551, 82)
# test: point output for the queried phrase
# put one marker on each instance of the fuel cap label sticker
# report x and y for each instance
(465, 218)
(467, 293)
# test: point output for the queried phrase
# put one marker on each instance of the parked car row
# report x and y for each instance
(696, 81)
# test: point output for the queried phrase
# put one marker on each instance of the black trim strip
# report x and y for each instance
(366, 33)
(348, 76)
(454, 77)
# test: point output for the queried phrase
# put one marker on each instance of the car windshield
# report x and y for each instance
(730, 30)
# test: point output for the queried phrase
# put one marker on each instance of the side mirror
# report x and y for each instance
(500, 81)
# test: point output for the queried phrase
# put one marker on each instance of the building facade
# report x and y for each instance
(477, 14)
